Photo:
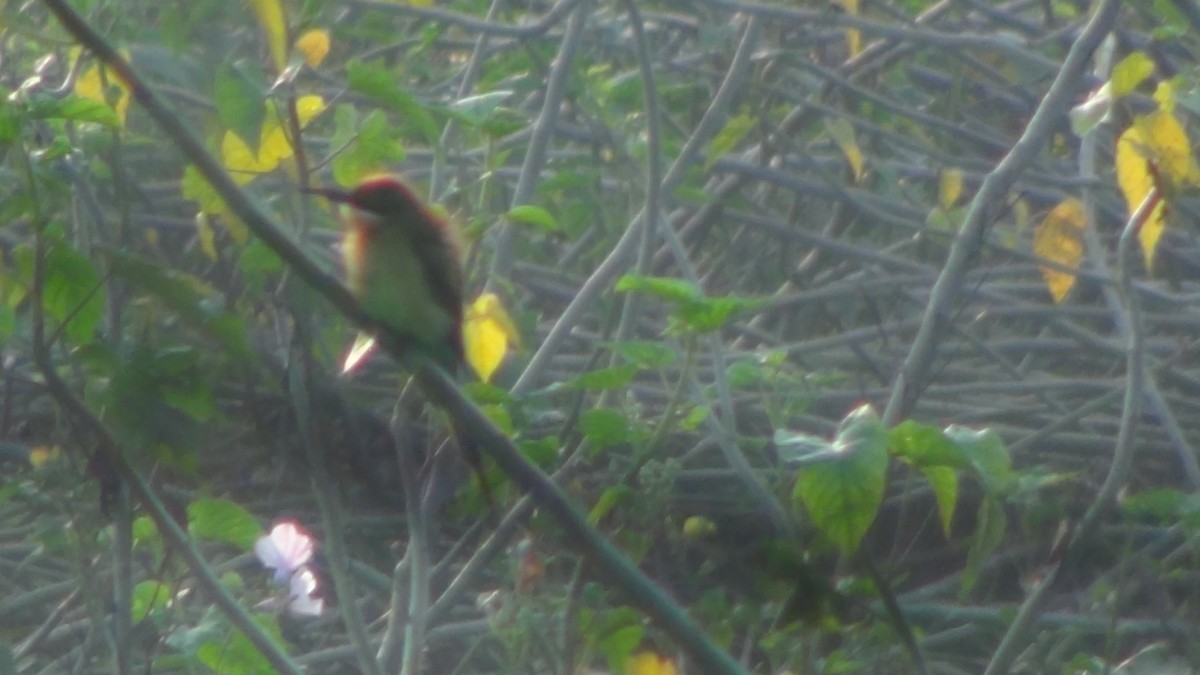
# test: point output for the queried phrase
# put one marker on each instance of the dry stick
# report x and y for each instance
(471, 23)
(784, 15)
(603, 556)
(1118, 472)
(618, 257)
(299, 381)
(543, 129)
(414, 620)
(450, 133)
(1094, 250)
(122, 545)
(723, 432)
(653, 168)
(970, 238)
(31, 643)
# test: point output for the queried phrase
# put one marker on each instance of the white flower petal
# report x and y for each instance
(285, 549)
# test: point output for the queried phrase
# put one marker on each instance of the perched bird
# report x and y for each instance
(403, 266)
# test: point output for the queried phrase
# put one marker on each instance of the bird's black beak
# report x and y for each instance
(332, 194)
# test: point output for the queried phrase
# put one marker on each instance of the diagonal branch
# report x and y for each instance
(609, 561)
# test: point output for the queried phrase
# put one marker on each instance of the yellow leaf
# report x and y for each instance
(1164, 95)
(242, 162)
(649, 663)
(487, 333)
(853, 36)
(314, 45)
(1136, 180)
(91, 85)
(274, 145)
(270, 18)
(1167, 146)
(206, 236)
(950, 184)
(696, 527)
(308, 107)
(1131, 72)
(842, 133)
(1059, 238)
(1154, 152)
(41, 454)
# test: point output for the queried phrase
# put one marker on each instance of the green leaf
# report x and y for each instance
(238, 93)
(197, 303)
(502, 122)
(617, 633)
(618, 645)
(528, 214)
(542, 452)
(744, 373)
(72, 292)
(149, 596)
(694, 418)
(222, 520)
(989, 532)
(12, 118)
(145, 531)
(607, 378)
(1131, 72)
(152, 398)
(646, 353)
(8, 323)
(75, 108)
(922, 445)
(180, 372)
(709, 314)
(371, 148)
(196, 188)
(379, 83)
(1162, 505)
(343, 141)
(603, 427)
(609, 499)
(944, 482)
(236, 655)
(728, 137)
(843, 497)
(988, 455)
(258, 262)
(694, 311)
(668, 288)
(475, 109)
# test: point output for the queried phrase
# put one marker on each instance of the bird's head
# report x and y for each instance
(378, 201)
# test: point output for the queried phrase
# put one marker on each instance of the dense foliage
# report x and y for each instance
(866, 331)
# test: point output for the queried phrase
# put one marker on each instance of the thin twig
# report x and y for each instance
(979, 217)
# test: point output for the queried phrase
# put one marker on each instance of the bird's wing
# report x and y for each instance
(444, 273)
